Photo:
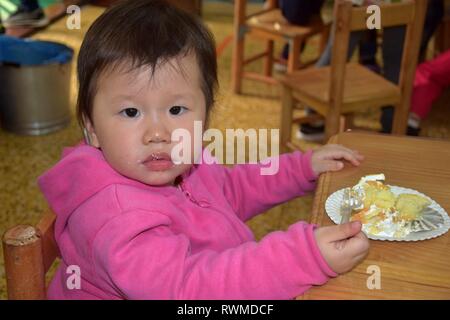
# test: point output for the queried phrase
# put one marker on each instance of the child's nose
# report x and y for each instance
(156, 132)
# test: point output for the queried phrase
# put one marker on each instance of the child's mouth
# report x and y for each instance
(158, 161)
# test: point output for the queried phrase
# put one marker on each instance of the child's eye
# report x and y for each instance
(176, 110)
(130, 112)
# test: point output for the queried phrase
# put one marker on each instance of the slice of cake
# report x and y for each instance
(410, 206)
(383, 213)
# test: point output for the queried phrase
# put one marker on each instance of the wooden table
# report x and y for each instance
(409, 270)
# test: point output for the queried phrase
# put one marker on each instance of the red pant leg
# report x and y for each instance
(431, 78)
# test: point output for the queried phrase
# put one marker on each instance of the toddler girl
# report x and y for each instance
(138, 226)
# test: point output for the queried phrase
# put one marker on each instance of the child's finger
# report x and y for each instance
(355, 158)
(355, 153)
(349, 156)
(358, 155)
(342, 231)
(332, 165)
(336, 152)
(358, 245)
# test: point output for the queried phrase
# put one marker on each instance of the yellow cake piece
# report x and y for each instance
(382, 212)
(378, 194)
(410, 206)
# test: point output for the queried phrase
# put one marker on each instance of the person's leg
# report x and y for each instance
(392, 58)
(368, 51)
(392, 52)
(368, 46)
(434, 15)
(325, 58)
(285, 51)
(298, 12)
(431, 78)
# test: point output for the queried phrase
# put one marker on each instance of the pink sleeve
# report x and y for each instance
(250, 193)
(148, 261)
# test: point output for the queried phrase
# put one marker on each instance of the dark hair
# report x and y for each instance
(143, 33)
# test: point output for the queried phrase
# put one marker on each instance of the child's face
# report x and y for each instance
(133, 118)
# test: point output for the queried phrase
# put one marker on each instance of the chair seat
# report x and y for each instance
(273, 21)
(363, 88)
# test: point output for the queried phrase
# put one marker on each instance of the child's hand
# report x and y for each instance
(342, 246)
(326, 158)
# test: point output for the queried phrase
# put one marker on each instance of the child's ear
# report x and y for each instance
(89, 134)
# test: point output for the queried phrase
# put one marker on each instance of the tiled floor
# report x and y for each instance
(23, 159)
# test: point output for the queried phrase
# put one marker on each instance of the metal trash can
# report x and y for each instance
(34, 85)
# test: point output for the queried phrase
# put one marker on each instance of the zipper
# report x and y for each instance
(206, 204)
(201, 203)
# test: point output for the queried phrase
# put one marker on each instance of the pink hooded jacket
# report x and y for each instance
(135, 241)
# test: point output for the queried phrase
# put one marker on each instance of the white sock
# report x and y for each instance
(413, 122)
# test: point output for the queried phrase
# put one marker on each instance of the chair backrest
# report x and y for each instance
(348, 18)
(29, 252)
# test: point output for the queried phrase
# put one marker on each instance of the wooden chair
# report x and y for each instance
(269, 25)
(29, 252)
(343, 88)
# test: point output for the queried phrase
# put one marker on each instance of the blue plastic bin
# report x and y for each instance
(34, 85)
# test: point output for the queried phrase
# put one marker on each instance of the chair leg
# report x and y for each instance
(294, 55)
(400, 121)
(287, 103)
(237, 63)
(268, 61)
(22, 250)
(332, 123)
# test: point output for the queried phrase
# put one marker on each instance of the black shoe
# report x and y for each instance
(22, 17)
(312, 133)
(412, 131)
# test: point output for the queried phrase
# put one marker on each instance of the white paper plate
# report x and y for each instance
(333, 203)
